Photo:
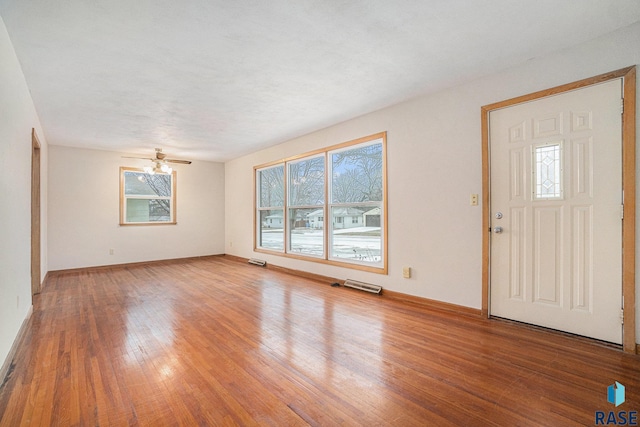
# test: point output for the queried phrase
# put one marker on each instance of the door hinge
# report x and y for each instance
(622, 316)
(621, 105)
(621, 211)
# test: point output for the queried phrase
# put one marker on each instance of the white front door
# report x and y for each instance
(556, 203)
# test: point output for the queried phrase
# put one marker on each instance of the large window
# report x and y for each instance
(147, 198)
(328, 206)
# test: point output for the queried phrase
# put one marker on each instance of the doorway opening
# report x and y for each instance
(35, 215)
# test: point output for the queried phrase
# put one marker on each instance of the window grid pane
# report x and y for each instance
(141, 183)
(271, 184)
(306, 231)
(356, 233)
(357, 174)
(305, 180)
(271, 230)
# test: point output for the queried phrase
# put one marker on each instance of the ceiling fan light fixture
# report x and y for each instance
(159, 164)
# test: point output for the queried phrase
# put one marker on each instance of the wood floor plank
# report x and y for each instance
(212, 341)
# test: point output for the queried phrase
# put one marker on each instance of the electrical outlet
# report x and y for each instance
(406, 272)
(111, 251)
(230, 244)
(473, 200)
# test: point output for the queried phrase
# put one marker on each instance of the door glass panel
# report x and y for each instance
(547, 167)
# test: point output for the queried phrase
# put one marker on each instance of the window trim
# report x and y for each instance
(289, 204)
(257, 219)
(124, 198)
(382, 268)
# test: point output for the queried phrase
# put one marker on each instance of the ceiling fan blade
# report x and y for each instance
(143, 158)
(184, 162)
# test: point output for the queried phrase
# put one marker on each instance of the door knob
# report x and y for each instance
(497, 230)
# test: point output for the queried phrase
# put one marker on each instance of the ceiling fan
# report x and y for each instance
(159, 163)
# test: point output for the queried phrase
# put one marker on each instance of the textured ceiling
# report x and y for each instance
(214, 80)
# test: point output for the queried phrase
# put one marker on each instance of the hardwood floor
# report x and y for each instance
(217, 342)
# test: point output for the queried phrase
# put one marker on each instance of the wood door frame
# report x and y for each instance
(628, 76)
(35, 215)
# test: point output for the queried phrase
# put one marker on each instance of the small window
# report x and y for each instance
(547, 170)
(147, 198)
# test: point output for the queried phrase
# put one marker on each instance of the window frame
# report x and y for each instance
(124, 197)
(380, 267)
(354, 205)
(290, 205)
(258, 208)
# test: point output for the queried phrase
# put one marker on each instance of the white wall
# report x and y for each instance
(17, 117)
(84, 212)
(434, 164)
